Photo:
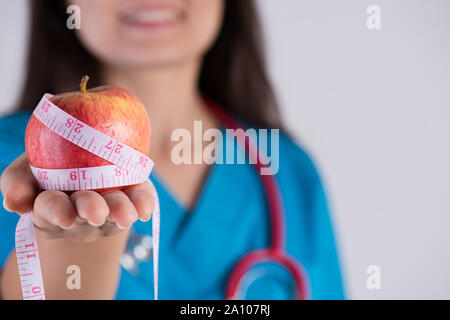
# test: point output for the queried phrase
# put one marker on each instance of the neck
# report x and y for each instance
(170, 96)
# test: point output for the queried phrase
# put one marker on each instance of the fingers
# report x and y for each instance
(18, 186)
(56, 210)
(141, 196)
(122, 211)
(90, 206)
(53, 210)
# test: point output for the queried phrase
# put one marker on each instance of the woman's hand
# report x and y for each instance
(82, 216)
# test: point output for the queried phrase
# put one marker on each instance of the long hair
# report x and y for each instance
(57, 60)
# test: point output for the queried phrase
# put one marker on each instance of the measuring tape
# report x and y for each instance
(129, 167)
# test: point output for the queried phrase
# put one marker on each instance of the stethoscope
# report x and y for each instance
(139, 247)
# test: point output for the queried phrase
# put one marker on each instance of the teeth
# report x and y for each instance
(153, 16)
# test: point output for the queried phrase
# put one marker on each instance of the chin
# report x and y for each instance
(150, 59)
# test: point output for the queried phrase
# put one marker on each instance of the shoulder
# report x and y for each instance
(15, 123)
(296, 174)
(12, 137)
(301, 186)
(296, 165)
(290, 163)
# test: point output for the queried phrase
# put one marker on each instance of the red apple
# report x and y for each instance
(111, 110)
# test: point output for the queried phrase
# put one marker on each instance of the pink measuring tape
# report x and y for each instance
(128, 167)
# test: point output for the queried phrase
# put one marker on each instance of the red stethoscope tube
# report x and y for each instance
(276, 252)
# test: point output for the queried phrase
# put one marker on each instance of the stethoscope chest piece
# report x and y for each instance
(139, 249)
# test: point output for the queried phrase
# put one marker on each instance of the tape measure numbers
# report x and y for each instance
(129, 167)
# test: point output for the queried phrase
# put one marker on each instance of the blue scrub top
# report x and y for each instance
(199, 247)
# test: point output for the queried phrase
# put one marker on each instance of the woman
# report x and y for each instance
(171, 55)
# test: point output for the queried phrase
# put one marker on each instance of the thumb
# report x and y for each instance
(18, 186)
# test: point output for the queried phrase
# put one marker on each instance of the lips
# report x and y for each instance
(152, 16)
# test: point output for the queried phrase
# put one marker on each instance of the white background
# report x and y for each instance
(373, 109)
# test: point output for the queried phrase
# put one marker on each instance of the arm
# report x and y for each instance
(84, 228)
(98, 262)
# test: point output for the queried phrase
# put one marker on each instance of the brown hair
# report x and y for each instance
(57, 60)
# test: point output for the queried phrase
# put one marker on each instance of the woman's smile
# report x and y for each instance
(151, 16)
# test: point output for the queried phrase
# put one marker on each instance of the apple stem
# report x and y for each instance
(83, 84)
